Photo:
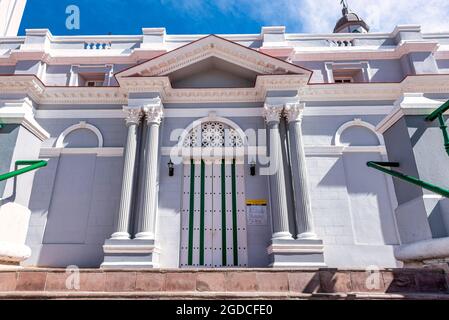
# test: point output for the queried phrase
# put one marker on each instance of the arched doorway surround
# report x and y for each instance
(213, 214)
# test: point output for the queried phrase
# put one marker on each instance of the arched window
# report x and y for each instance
(213, 134)
(82, 135)
(358, 133)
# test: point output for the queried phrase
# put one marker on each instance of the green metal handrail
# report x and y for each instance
(381, 167)
(438, 113)
(31, 165)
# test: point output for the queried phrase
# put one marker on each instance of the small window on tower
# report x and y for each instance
(89, 79)
(94, 83)
(343, 80)
(347, 75)
(347, 72)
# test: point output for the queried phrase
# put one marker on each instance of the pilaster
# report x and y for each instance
(284, 251)
(133, 119)
(303, 209)
(279, 210)
(147, 219)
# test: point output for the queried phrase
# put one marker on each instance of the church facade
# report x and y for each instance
(191, 151)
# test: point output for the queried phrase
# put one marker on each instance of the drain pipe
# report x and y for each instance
(439, 114)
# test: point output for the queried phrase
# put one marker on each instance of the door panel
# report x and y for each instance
(185, 214)
(228, 227)
(195, 259)
(218, 237)
(241, 216)
(213, 226)
(208, 215)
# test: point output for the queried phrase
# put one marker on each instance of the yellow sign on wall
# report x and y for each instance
(256, 202)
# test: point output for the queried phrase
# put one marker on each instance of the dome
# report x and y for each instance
(350, 22)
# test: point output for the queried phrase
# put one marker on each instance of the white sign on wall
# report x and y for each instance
(256, 212)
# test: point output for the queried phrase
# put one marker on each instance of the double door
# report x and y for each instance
(213, 216)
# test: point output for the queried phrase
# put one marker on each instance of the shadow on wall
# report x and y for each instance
(368, 198)
(427, 139)
(369, 194)
(438, 220)
(74, 203)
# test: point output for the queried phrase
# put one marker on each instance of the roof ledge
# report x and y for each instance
(406, 28)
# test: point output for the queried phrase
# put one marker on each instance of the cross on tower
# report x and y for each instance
(344, 3)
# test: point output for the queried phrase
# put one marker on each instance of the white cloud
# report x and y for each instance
(381, 15)
(320, 16)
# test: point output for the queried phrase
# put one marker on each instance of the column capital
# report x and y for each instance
(294, 111)
(133, 115)
(272, 112)
(154, 112)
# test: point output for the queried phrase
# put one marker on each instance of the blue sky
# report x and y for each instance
(128, 17)
(229, 16)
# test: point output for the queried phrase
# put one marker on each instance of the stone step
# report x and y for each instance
(224, 284)
(219, 296)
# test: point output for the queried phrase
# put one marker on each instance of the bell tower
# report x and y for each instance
(350, 22)
(11, 12)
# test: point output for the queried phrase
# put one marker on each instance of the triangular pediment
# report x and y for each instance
(213, 73)
(217, 52)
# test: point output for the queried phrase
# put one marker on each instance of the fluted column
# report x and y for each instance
(303, 208)
(134, 116)
(147, 219)
(278, 198)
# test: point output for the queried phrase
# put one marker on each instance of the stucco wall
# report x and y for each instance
(8, 139)
(74, 206)
(418, 146)
(75, 198)
(353, 218)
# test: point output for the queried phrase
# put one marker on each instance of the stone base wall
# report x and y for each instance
(221, 283)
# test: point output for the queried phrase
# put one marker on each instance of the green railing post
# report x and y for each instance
(438, 113)
(443, 128)
(381, 167)
(31, 165)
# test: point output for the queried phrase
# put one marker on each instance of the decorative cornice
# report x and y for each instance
(100, 152)
(133, 115)
(163, 86)
(408, 104)
(294, 112)
(22, 112)
(22, 84)
(342, 110)
(272, 113)
(144, 84)
(213, 46)
(354, 91)
(77, 95)
(31, 86)
(213, 95)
